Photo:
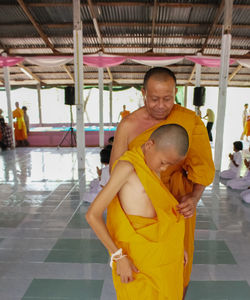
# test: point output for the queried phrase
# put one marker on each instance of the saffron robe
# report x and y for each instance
(124, 113)
(155, 245)
(198, 167)
(19, 125)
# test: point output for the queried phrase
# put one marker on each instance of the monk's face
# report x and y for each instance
(158, 160)
(159, 97)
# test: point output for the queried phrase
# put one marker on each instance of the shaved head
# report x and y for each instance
(158, 74)
(171, 135)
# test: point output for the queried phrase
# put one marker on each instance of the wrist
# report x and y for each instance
(116, 256)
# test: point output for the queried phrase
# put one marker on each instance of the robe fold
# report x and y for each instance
(19, 125)
(198, 167)
(155, 245)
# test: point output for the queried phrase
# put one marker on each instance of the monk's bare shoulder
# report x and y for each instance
(122, 170)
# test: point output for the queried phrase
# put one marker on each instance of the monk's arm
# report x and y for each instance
(120, 144)
(94, 215)
(189, 201)
(199, 167)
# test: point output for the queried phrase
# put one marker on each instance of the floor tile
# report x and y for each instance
(48, 289)
(218, 290)
(11, 219)
(78, 250)
(212, 252)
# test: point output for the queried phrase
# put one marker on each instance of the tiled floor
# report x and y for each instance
(48, 251)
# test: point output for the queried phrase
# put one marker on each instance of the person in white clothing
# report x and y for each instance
(245, 195)
(103, 176)
(235, 162)
(241, 183)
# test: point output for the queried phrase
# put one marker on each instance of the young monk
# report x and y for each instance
(144, 232)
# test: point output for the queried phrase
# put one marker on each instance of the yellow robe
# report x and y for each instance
(156, 246)
(124, 113)
(198, 167)
(19, 125)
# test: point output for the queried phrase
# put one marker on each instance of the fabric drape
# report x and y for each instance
(198, 167)
(155, 245)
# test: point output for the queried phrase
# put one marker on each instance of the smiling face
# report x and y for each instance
(159, 159)
(159, 97)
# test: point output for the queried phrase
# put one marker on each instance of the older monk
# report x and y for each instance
(187, 180)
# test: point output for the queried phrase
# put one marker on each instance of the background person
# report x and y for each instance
(20, 127)
(26, 119)
(6, 137)
(124, 113)
(210, 122)
(235, 162)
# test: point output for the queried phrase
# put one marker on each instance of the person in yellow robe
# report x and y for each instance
(124, 113)
(186, 180)
(20, 127)
(145, 232)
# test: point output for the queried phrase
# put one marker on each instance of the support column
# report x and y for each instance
(78, 75)
(100, 85)
(185, 95)
(110, 104)
(224, 68)
(39, 103)
(197, 80)
(7, 90)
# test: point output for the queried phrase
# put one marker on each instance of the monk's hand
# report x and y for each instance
(187, 205)
(185, 258)
(125, 269)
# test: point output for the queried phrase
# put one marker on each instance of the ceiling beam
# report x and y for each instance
(192, 74)
(127, 24)
(127, 3)
(39, 30)
(37, 26)
(98, 32)
(154, 15)
(67, 70)
(95, 23)
(30, 72)
(213, 26)
(231, 76)
(131, 46)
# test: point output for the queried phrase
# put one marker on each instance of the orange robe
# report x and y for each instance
(19, 125)
(198, 167)
(247, 126)
(155, 245)
(124, 113)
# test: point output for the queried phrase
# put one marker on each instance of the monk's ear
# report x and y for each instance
(176, 90)
(143, 93)
(149, 144)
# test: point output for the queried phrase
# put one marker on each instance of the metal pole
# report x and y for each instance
(224, 68)
(197, 80)
(110, 104)
(7, 90)
(78, 74)
(100, 84)
(39, 103)
(185, 95)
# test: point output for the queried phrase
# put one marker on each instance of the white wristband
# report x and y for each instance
(116, 256)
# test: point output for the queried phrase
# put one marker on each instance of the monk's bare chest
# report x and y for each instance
(134, 199)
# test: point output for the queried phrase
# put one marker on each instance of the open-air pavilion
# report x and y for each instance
(47, 250)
